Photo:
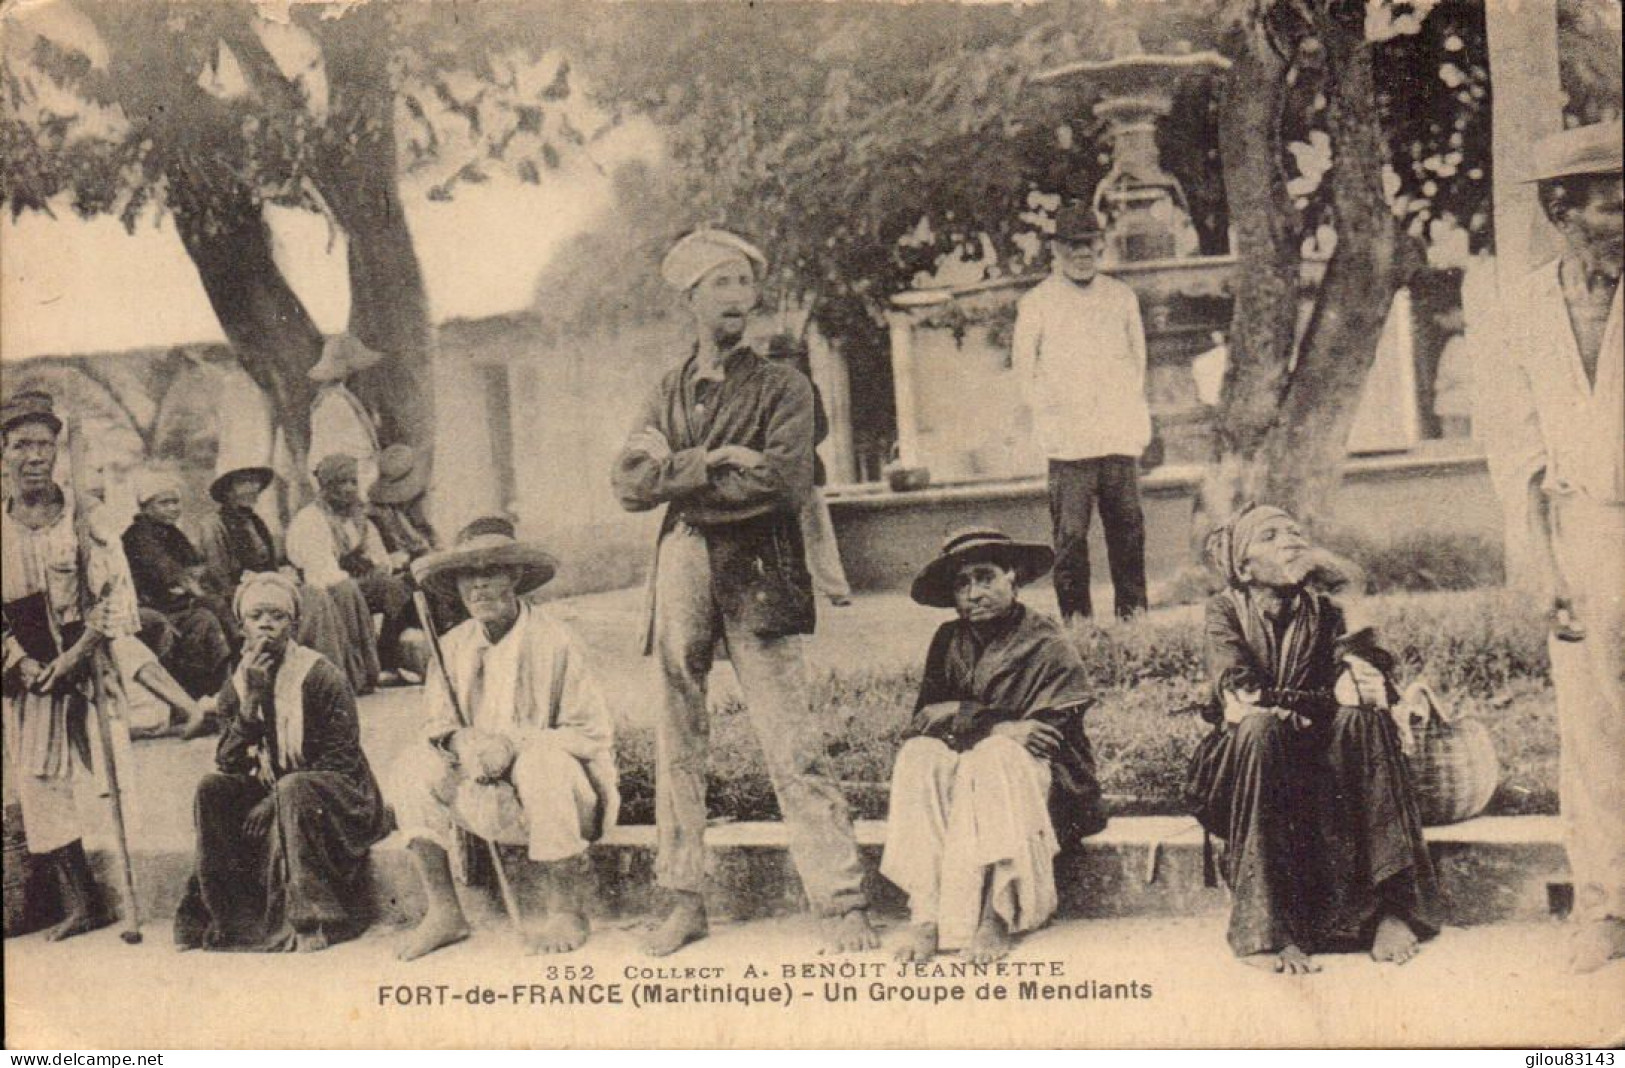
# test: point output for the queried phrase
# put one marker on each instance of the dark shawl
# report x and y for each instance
(160, 557)
(1024, 667)
(1292, 663)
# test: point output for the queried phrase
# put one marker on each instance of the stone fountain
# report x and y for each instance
(1151, 245)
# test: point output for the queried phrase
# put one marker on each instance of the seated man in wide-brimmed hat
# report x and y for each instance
(996, 774)
(519, 747)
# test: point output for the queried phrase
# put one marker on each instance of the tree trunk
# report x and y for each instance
(273, 335)
(1265, 223)
(389, 306)
(1304, 452)
(218, 218)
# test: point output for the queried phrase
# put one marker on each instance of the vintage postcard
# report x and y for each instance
(567, 523)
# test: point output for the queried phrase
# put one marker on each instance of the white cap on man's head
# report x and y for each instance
(697, 254)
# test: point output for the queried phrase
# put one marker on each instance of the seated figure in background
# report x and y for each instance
(235, 541)
(285, 824)
(1303, 776)
(190, 630)
(337, 548)
(996, 774)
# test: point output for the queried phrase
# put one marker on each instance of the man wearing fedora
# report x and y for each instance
(395, 503)
(339, 422)
(1562, 440)
(996, 774)
(535, 764)
(725, 442)
(1079, 356)
(67, 592)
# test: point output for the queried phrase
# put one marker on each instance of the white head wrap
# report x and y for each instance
(151, 483)
(266, 587)
(696, 254)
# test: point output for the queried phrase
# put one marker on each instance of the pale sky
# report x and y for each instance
(72, 286)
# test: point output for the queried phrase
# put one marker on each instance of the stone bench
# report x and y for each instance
(1490, 869)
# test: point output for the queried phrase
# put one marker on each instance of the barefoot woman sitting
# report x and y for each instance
(996, 773)
(284, 826)
(1303, 775)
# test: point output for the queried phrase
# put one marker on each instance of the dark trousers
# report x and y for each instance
(1074, 488)
(390, 597)
(191, 643)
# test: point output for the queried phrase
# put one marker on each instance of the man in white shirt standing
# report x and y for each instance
(1558, 446)
(1079, 354)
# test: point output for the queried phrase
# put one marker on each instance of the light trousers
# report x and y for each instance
(773, 676)
(959, 824)
(559, 802)
(1589, 539)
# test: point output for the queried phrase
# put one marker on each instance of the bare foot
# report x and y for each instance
(1290, 961)
(1395, 942)
(1595, 944)
(684, 924)
(991, 942)
(435, 931)
(78, 922)
(563, 932)
(310, 941)
(919, 945)
(850, 933)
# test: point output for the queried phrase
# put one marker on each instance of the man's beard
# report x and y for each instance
(727, 334)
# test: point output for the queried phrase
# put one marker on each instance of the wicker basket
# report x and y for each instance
(1452, 758)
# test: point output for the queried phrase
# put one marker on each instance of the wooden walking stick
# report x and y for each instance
(421, 603)
(99, 666)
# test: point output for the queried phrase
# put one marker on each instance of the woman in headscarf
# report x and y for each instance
(235, 541)
(284, 825)
(1303, 777)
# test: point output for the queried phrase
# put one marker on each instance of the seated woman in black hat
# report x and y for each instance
(235, 541)
(996, 774)
(1303, 776)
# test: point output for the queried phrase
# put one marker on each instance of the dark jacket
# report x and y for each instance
(749, 517)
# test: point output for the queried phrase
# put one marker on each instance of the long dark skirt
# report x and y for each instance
(308, 871)
(1324, 834)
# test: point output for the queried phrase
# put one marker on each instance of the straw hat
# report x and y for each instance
(1593, 149)
(262, 476)
(934, 585)
(342, 356)
(401, 479)
(484, 543)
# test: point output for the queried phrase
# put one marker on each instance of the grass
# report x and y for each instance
(1483, 651)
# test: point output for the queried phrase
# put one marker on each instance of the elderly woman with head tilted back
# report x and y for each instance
(1303, 776)
(284, 825)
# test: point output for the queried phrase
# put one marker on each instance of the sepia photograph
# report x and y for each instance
(801, 524)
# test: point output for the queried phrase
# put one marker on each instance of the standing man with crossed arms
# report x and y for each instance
(726, 442)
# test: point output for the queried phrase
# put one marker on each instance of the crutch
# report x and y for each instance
(131, 932)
